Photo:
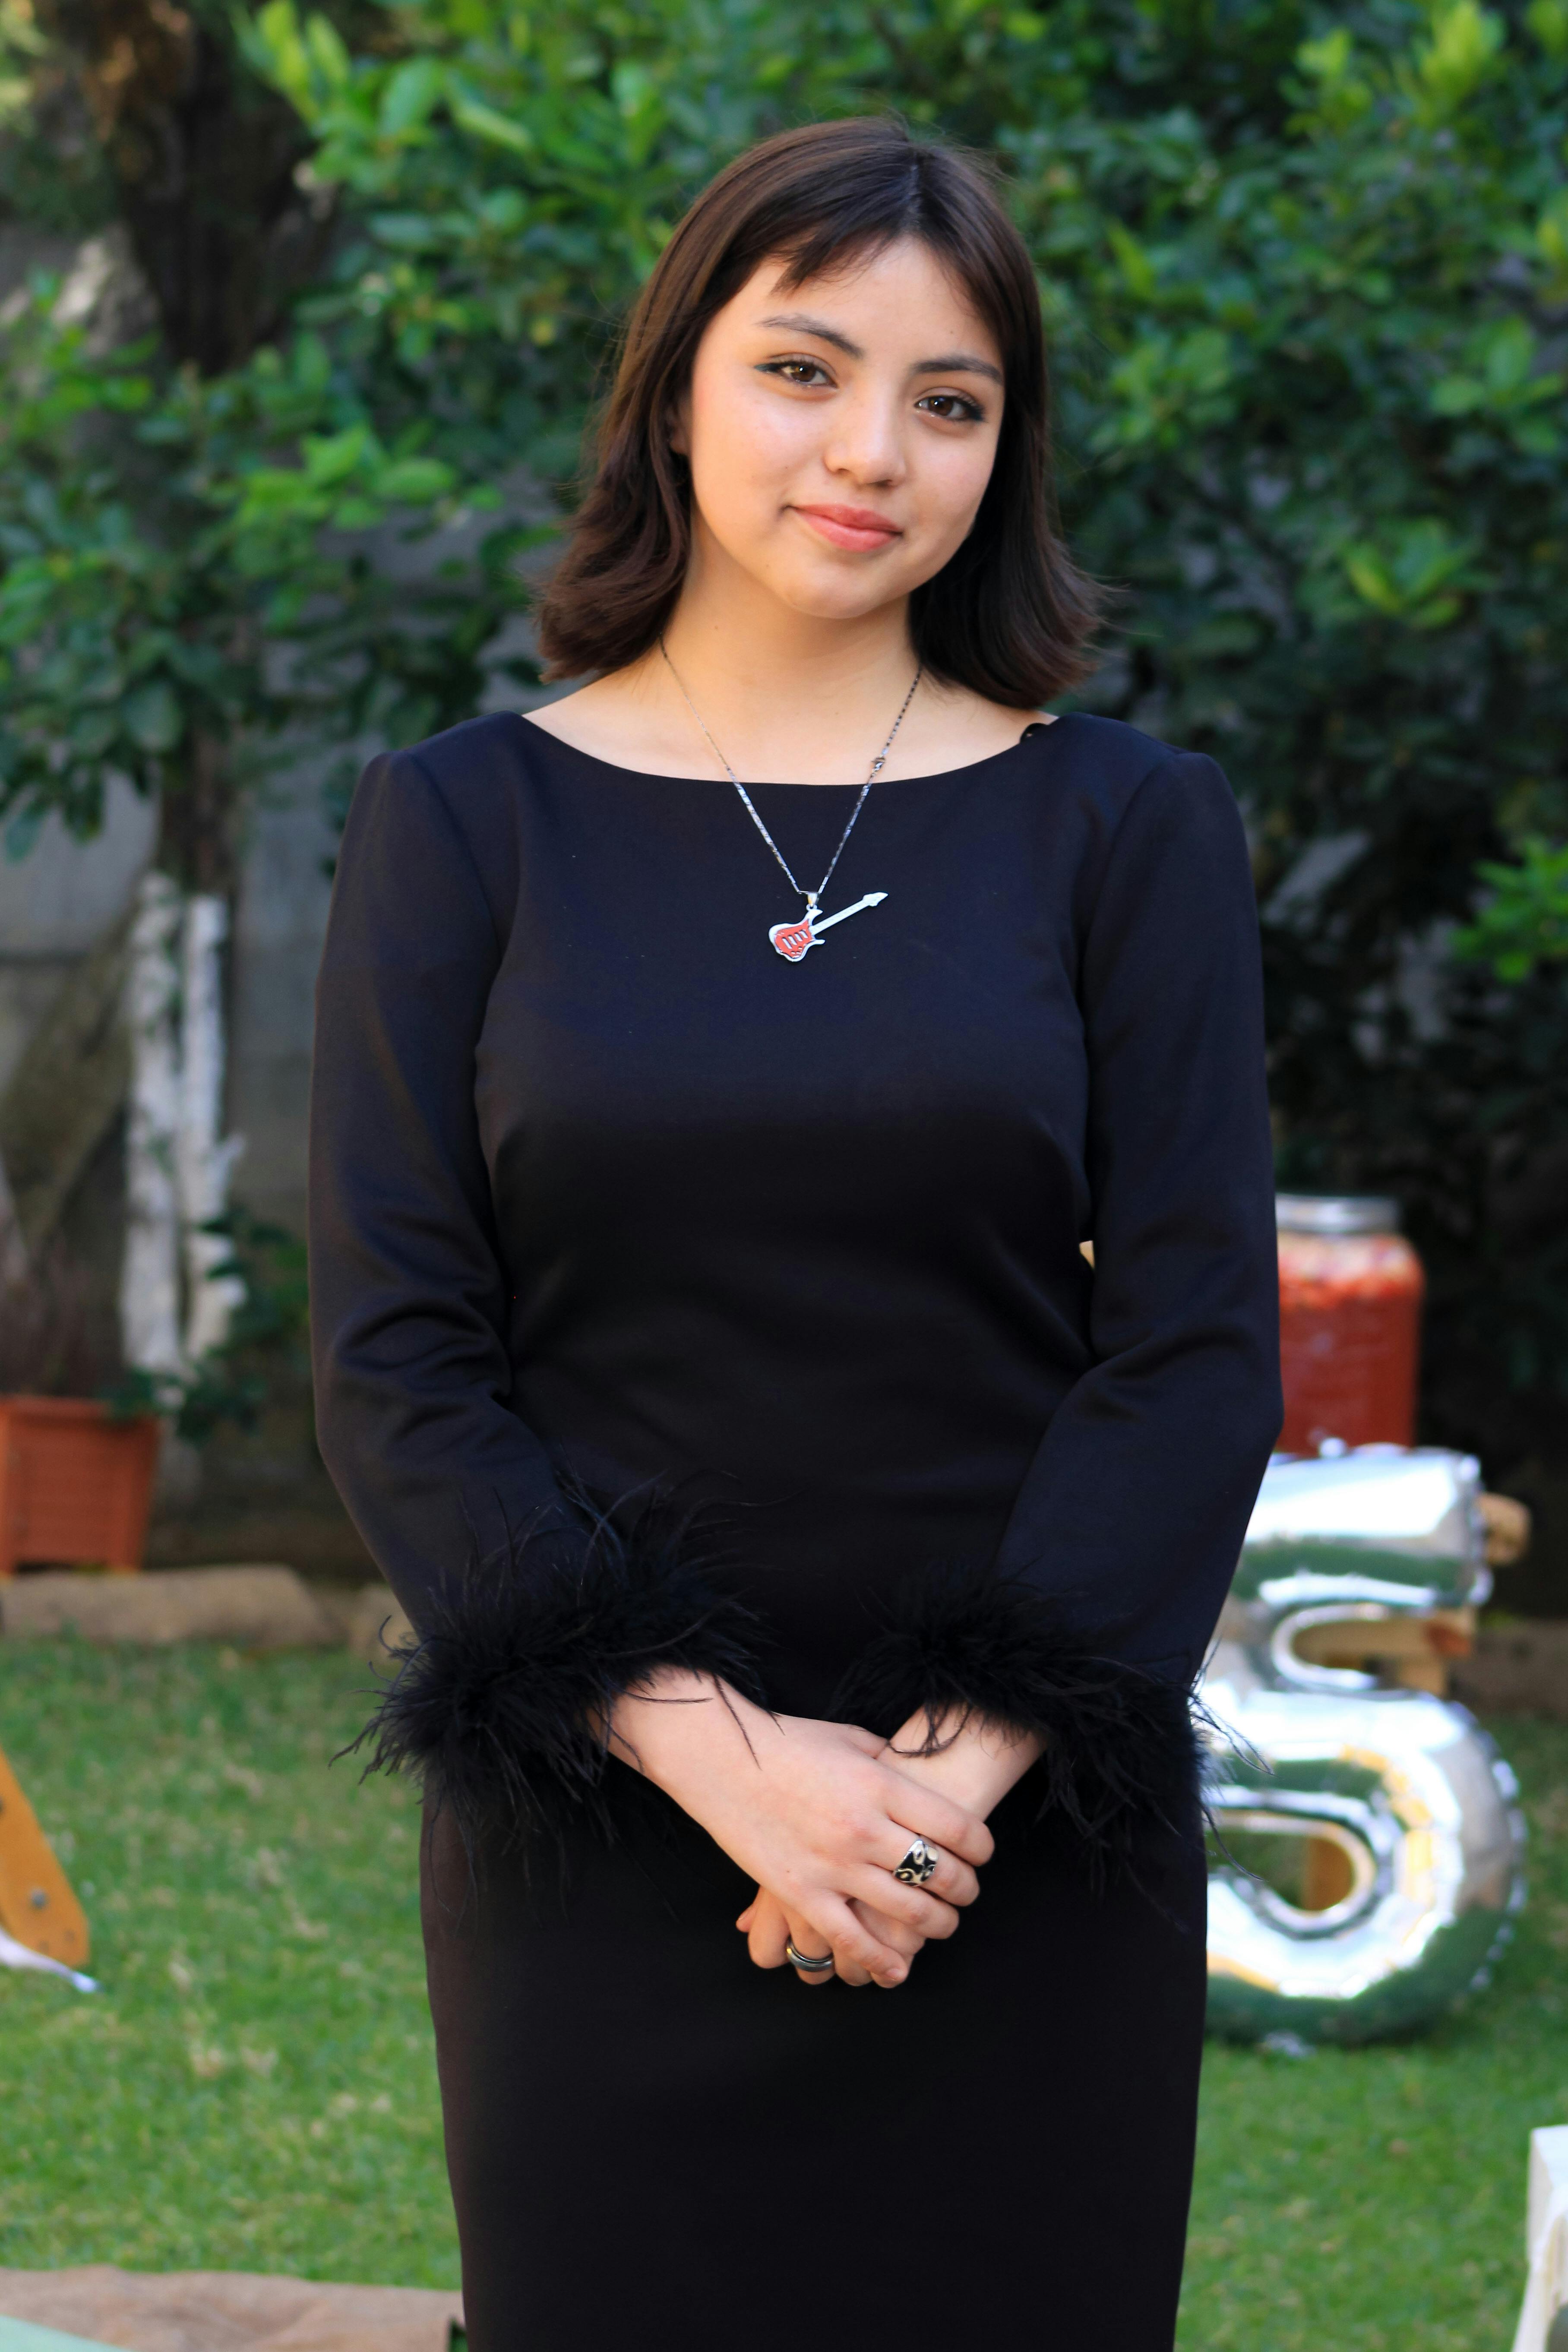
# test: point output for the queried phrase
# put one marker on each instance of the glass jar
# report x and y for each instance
(1350, 1322)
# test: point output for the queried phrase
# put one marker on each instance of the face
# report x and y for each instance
(841, 433)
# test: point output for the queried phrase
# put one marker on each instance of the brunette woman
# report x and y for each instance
(719, 1075)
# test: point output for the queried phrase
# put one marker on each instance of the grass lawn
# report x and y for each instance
(254, 2089)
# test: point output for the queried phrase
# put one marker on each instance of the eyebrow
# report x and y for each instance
(945, 362)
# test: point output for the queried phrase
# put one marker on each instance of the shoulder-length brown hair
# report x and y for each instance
(1008, 614)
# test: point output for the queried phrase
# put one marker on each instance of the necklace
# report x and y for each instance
(793, 939)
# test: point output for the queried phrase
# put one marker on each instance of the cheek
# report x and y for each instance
(956, 480)
(745, 448)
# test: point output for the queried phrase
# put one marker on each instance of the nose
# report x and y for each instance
(866, 445)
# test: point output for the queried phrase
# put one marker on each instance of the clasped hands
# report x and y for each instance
(820, 1814)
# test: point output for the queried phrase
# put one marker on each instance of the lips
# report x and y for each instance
(857, 527)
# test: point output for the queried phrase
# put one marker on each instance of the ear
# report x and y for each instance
(680, 425)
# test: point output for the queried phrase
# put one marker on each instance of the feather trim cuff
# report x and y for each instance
(501, 1707)
(1119, 1742)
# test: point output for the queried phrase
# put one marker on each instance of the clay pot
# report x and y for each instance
(76, 1485)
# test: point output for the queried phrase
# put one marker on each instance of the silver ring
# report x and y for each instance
(804, 1960)
(919, 1865)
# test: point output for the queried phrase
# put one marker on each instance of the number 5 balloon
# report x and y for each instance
(1416, 1840)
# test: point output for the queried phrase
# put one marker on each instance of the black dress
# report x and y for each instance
(673, 1300)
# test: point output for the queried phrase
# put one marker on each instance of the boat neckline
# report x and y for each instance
(897, 783)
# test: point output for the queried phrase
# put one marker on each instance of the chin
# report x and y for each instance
(841, 596)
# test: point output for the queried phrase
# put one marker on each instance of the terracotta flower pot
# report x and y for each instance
(76, 1486)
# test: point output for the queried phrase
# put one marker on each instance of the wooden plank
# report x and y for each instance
(1406, 1634)
(37, 1904)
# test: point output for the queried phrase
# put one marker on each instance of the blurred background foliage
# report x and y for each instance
(1306, 276)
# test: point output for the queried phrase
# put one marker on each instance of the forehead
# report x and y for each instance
(901, 292)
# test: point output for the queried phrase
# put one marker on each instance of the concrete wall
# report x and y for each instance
(279, 925)
(55, 903)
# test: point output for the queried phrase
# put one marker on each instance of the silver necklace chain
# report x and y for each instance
(877, 764)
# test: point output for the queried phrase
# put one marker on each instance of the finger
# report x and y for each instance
(951, 1880)
(925, 1813)
(765, 1937)
(746, 1917)
(807, 1938)
(891, 1932)
(866, 1741)
(814, 1975)
(853, 1944)
(880, 1891)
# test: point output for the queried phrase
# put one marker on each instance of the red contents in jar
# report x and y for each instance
(1349, 1319)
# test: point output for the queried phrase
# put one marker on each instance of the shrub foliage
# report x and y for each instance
(1306, 271)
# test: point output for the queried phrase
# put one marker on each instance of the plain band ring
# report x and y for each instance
(919, 1865)
(804, 1960)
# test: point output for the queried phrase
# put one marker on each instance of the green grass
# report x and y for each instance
(255, 2089)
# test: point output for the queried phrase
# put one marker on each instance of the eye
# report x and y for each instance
(811, 373)
(953, 407)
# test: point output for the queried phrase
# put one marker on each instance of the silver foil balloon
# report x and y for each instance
(1406, 1786)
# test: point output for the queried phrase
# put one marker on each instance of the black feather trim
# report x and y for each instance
(501, 1706)
(1121, 1743)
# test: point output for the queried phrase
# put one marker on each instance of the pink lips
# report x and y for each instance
(857, 527)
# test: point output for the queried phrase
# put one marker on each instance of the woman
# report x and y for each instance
(719, 1075)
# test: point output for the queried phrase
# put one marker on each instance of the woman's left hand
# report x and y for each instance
(976, 1768)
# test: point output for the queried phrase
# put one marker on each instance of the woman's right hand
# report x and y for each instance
(808, 1809)
(765, 1924)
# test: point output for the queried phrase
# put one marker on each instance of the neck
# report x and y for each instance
(786, 692)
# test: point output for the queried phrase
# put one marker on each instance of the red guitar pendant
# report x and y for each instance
(793, 939)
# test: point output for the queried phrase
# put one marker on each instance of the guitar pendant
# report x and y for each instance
(793, 939)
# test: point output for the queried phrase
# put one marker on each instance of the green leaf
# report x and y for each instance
(414, 481)
(1465, 42)
(1538, 436)
(331, 457)
(1327, 59)
(1507, 353)
(504, 210)
(1167, 386)
(1525, 923)
(357, 512)
(632, 86)
(313, 363)
(328, 53)
(153, 719)
(1551, 238)
(411, 96)
(1411, 571)
(407, 232)
(275, 491)
(1548, 20)
(1137, 269)
(92, 732)
(1457, 395)
(278, 45)
(483, 122)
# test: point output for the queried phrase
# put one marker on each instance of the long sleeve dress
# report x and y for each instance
(674, 1301)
